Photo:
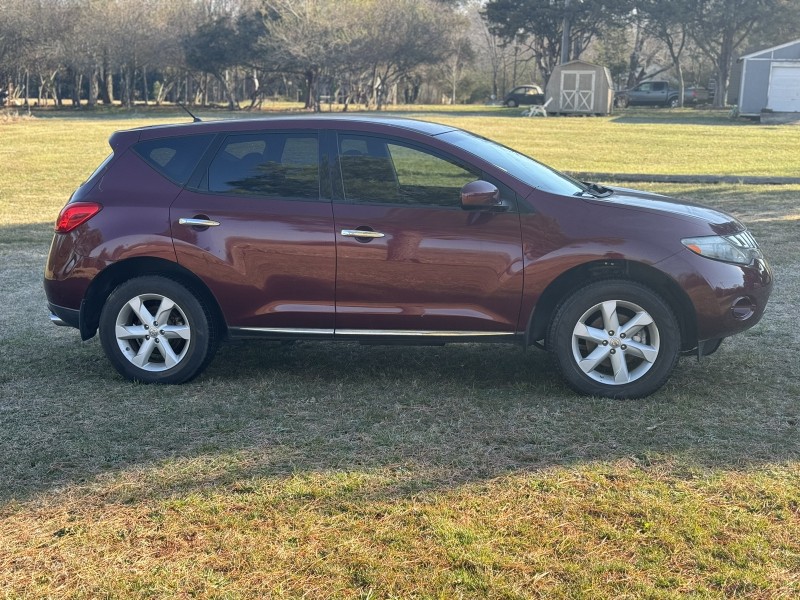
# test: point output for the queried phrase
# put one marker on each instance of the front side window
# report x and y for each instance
(376, 170)
(270, 165)
(521, 167)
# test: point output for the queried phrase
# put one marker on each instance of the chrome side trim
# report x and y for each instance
(413, 333)
(284, 330)
(371, 332)
(56, 320)
(362, 234)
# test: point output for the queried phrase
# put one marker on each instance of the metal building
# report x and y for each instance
(769, 79)
(580, 88)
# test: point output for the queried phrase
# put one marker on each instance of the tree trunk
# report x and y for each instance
(91, 99)
(514, 67)
(127, 87)
(723, 70)
(310, 101)
(633, 66)
(144, 83)
(675, 55)
(107, 90)
(77, 84)
(27, 88)
(227, 91)
(454, 88)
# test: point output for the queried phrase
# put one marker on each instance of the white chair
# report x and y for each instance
(537, 110)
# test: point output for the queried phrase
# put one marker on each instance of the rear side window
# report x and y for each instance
(176, 157)
(268, 165)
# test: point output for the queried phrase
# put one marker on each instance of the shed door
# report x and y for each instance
(784, 87)
(577, 91)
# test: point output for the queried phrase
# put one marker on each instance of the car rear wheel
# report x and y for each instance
(511, 103)
(616, 339)
(674, 103)
(154, 330)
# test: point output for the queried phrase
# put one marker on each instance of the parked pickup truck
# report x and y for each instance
(697, 95)
(661, 93)
(649, 93)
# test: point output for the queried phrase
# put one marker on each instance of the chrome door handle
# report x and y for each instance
(197, 222)
(362, 234)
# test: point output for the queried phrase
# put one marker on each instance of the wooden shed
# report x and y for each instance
(580, 88)
(767, 80)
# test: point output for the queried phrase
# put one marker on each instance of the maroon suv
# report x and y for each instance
(388, 230)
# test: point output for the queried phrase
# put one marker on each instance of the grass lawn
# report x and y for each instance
(346, 471)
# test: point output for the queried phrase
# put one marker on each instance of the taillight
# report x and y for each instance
(75, 214)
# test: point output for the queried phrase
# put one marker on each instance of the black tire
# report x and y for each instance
(674, 102)
(511, 103)
(142, 351)
(629, 362)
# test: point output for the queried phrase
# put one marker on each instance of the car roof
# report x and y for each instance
(288, 121)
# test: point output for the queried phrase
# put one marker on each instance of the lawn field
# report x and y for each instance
(347, 471)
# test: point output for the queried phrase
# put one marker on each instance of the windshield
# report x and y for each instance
(522, 167)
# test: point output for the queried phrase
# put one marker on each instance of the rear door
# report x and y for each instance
(411, 261)
(258, 230)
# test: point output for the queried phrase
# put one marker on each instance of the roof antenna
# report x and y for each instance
(194, 119)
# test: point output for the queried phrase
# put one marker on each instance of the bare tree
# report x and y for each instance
(721, 27)
(540, 23)
(669, 23)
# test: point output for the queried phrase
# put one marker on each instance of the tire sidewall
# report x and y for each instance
(560, 338)
(200, 344)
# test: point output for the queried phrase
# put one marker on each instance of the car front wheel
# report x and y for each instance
(616, 339)
(154, 330)
(512, 103)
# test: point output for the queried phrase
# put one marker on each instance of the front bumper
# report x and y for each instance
(727, 298)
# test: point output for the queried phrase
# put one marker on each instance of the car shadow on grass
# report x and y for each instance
(441, 416)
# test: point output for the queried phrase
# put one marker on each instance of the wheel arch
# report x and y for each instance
(121, 271)
(581, 275)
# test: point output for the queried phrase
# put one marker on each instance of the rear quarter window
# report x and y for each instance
(174, 157)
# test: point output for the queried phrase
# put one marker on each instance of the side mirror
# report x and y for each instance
(481, 194)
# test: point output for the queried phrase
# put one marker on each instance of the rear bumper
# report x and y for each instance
(63, 316)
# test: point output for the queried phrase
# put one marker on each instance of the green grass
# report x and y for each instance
(346, 471)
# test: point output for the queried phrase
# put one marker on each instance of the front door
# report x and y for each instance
(410, 259)
(260, 232)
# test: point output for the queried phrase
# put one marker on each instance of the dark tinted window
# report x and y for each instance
(384, 171)
(273, 165)
(175, 158)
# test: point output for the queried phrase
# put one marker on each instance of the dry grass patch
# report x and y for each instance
(605, 530)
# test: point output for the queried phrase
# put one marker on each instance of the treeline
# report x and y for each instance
(241, 53)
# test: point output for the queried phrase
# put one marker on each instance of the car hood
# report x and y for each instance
(720, 222)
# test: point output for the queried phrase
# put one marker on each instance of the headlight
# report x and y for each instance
(740, 248)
